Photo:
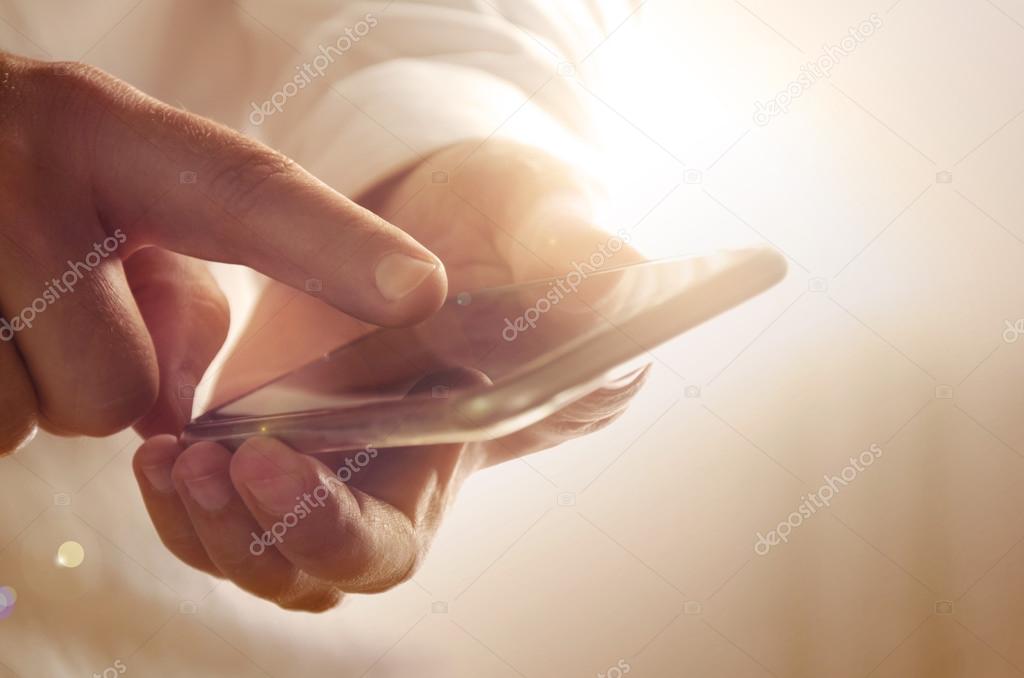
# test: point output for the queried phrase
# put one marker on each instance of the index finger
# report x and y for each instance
(176, 180)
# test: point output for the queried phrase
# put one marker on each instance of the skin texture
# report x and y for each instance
(505, 213)
(120, 192)
(99, 171)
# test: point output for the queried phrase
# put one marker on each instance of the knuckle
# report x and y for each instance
(71, 73)
(68, 87)
(66, 103)
(242, 171)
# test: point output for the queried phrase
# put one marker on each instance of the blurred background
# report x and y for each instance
(893, 185)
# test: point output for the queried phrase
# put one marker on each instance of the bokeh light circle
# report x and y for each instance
(8, 596)
(70, 554)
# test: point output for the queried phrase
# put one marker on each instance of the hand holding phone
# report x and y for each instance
(539, 346)
(507, 216)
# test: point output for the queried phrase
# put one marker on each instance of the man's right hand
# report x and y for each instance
(104, 190)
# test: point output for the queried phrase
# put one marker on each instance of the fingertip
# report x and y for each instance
(399, 275)
(405, 289)
(154, 461)
(201, 475)
(153, 465)
(157, 448)
(201, 459)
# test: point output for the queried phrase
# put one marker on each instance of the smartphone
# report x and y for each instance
(534, 347)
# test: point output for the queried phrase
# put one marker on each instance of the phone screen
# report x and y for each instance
(499, 332)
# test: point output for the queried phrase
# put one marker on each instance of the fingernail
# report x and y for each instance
(398, 274)
(212, 492)
(159, 476)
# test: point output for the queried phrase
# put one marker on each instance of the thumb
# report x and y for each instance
(187, 317)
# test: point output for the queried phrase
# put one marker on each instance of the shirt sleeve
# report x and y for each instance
(390, 82)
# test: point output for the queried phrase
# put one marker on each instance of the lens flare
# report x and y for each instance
(70, 554)
(8, 596)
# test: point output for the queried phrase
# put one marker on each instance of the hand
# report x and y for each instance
(104, 191)
(508, 214)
